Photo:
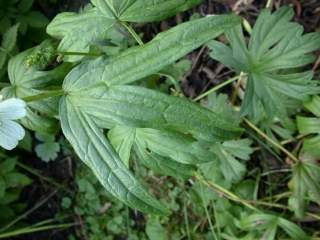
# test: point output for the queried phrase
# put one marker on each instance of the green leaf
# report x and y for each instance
(293, 230)
(163, 165)
(154, 10)
(122, 139)
(165, 159)
(267, 224)
(305, 181)
(7, 165)
(8, 43)
(222, 106)
(35, 19)
(113, 7)
(79, 31)
(130, 10)
(176, 146)
(49, 149)
(276, 51)
(16, 179)
(25, 5)
(155, 231)
(143, 108)
(3, 58)
(10, 38)
(310, 125)
(95, 151)
(2, 188)
(227, 152)
(139, 62)
(27, 81)
(93, 102)
(175, 72)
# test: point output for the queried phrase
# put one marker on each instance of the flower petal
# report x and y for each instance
(10, 133)
(12, 108)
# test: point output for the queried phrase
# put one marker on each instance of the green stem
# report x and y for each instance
(79, 54)
(186, 220)
(24, 215)
(44, 178)
(36, 229)
(45, 95)
(213, 233)
(224, 192)
(270, 140)
(231, 80)
(133, 33)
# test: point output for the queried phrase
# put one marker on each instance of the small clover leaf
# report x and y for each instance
(10, 131)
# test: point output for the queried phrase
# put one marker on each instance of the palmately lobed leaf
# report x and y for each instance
(79, 31)
(311, 125)
(94, 25)
(305, 182)
(276, 50)
(270, 223)
(153, 152)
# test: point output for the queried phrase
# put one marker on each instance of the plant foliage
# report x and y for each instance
(272, 59)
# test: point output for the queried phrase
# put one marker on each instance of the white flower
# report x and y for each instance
(10, 131)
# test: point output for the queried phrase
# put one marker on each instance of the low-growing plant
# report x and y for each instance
(91, 82)
(12, 181)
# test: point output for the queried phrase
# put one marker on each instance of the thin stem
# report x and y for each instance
(270, 140)
(186, 221)
(44, 178)
(36, 229)
(80, 54)
(269, 4)
(24, 215)
(133, 33)
(213, 233)
(216, 88)
(45, 95)
(224, 192)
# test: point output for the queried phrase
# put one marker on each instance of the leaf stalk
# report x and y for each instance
(133, 33)
(41, 96)
(270, 140)
(231, 80)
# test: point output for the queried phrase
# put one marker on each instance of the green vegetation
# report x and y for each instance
(238, 161)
